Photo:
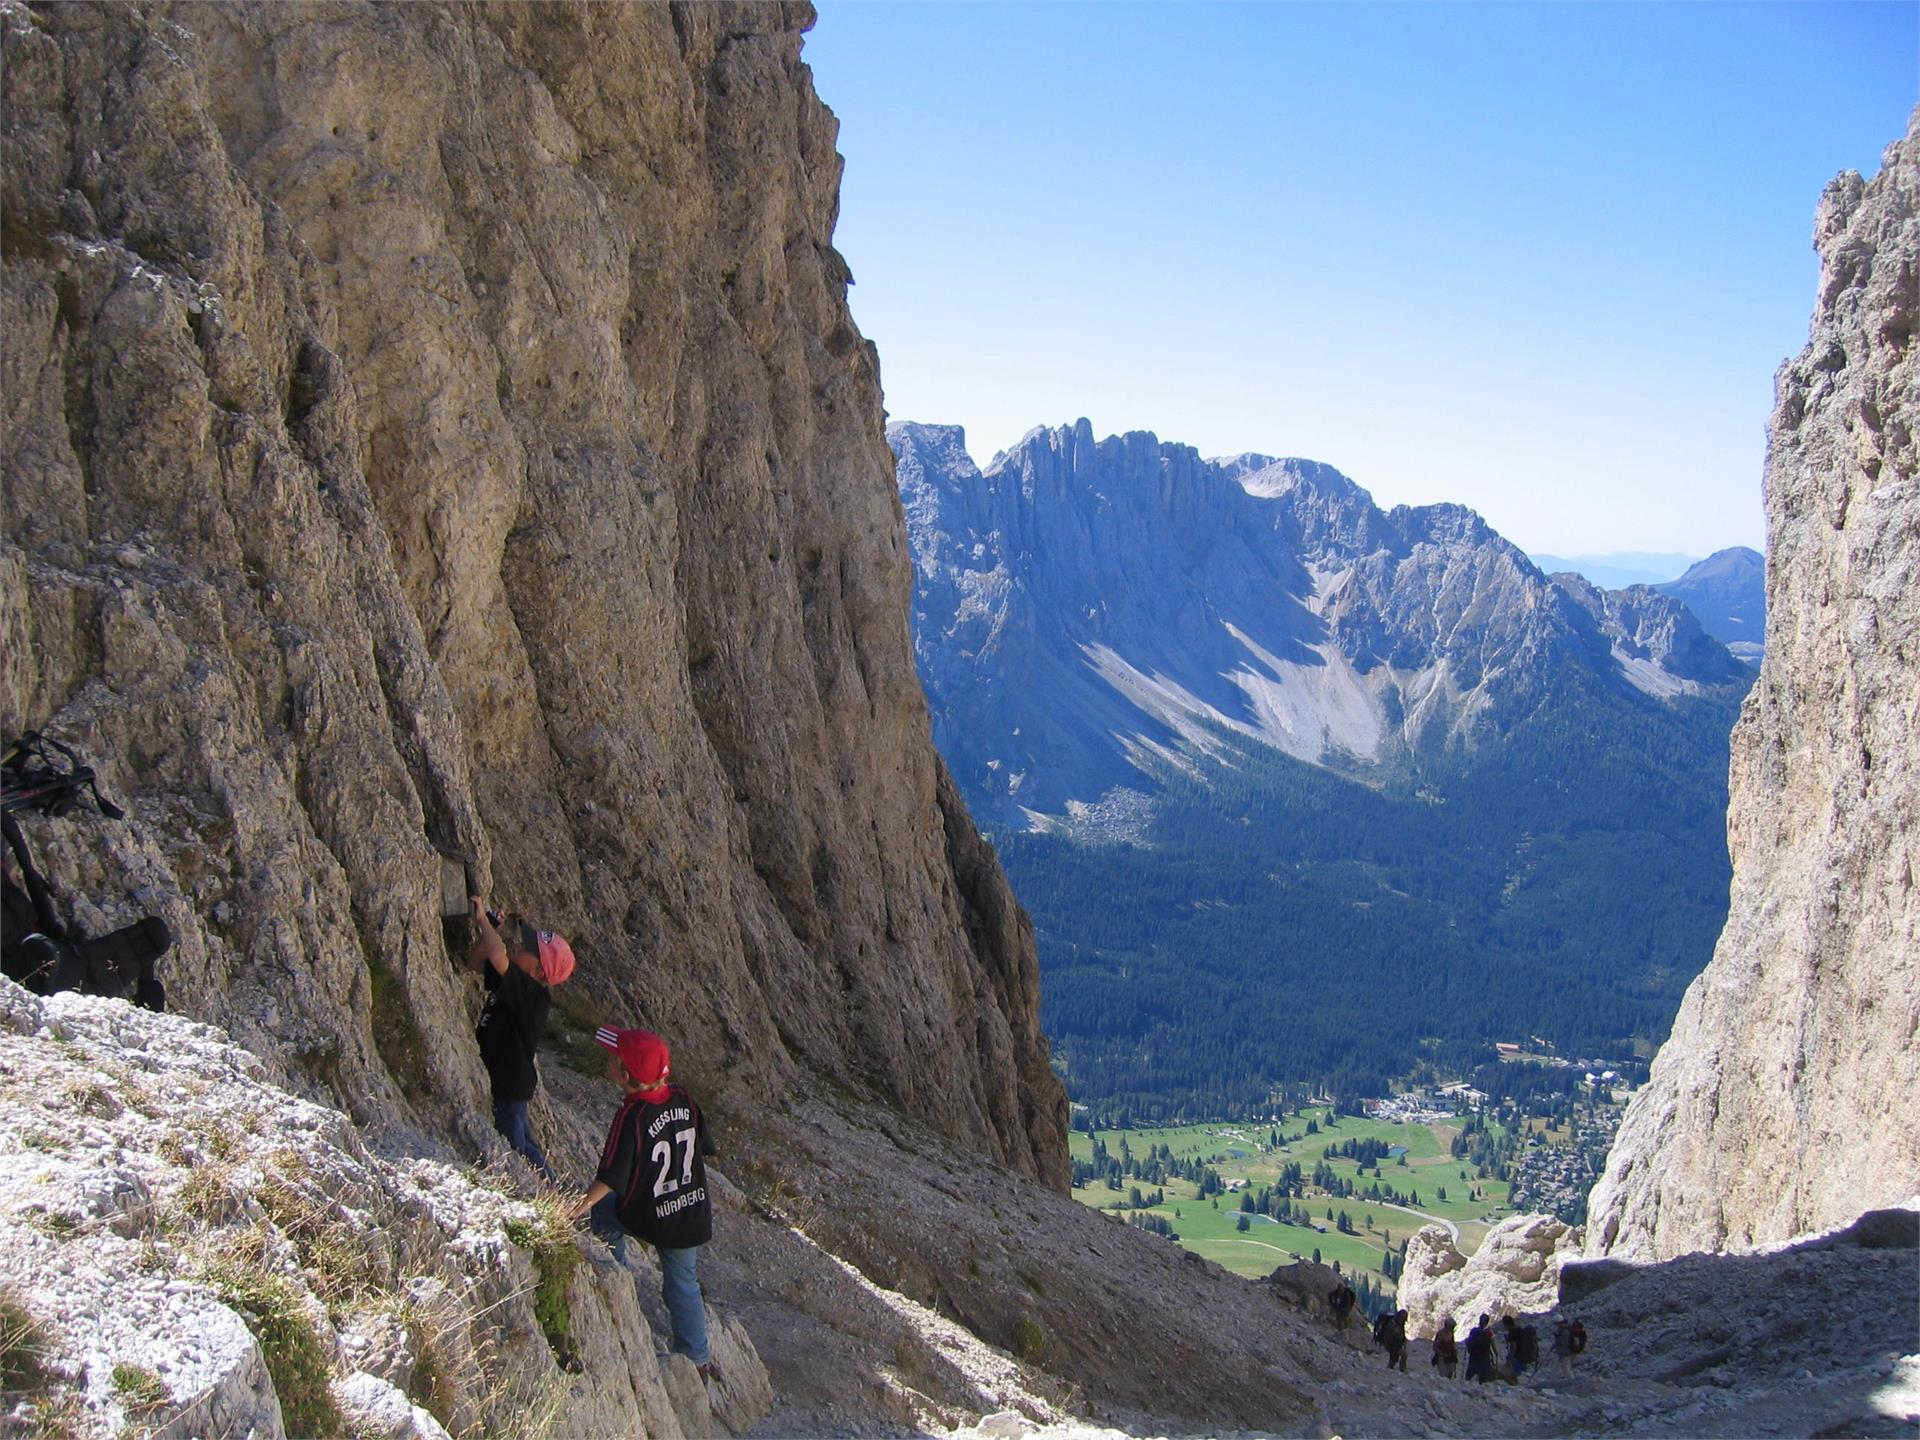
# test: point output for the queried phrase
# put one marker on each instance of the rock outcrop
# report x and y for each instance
(1516, 1271)
(438, 425)
(1783, 1100)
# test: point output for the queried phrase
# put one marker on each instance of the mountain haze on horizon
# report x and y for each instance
(1618, 568)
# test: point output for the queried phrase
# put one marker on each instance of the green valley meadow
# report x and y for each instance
(1253, 1196)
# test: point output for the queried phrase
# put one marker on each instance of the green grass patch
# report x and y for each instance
(140, 1391)
(296, 1357)
(548, 1238)
(24, 1349)
(1243, 1151)
(1030, 1343)
(396, 1031)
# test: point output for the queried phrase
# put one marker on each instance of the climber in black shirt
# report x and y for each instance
(519, 964)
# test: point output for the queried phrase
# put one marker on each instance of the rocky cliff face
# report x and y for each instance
(1782, 1102)
(444, 425)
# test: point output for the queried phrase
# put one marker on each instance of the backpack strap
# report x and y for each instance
(42, 898)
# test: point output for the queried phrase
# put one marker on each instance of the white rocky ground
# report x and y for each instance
(169, 1220)
(200, 1252)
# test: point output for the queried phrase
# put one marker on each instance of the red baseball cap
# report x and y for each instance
(643, 1053)
(555, 954)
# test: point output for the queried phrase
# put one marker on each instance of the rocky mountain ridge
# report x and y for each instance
(1084, 607)
(1253, 748)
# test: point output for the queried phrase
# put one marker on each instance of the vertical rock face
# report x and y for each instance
(444, 425)
(1783, 1102)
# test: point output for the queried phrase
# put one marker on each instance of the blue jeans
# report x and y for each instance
(679, 1280)
(510, 1119)
(680, 1288)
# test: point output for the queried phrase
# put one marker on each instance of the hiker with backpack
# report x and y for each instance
(520, 965)
(652, 1181)
(1562, 1348)
(1340, 1301)
(1446, 1349)
(1523, 1349)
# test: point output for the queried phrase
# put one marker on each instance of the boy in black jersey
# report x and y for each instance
(518, 963)
(652, 1181)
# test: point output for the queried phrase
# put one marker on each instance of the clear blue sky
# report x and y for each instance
(1539, 259)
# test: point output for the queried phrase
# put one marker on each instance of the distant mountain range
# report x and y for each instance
(1369, 757)
(1617, 569)
(1727, 592)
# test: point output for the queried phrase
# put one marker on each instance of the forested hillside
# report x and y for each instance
(1287, 923)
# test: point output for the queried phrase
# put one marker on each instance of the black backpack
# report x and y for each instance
(40, 775)
(1526, 1346)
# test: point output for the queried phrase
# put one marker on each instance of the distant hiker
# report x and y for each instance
(519, 964)
(1340, 1300)
(1577, 1334)
(1391, 1331)
(652, 1181)
(1562, 1347)
(1528, 1341)
(1523, 1348)
(1446, 1349)
(1480, 1350)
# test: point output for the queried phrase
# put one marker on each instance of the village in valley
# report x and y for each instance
(1347, 1181)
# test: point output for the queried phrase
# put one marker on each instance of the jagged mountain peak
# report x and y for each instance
(1087, 610)
(1245, 463)
(914, 436)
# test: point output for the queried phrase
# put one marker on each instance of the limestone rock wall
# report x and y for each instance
(1783, 1101)
(441, 424)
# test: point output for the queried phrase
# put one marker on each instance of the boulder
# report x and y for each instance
(1516, 1271)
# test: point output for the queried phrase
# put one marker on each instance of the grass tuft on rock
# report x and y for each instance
(23, 1349)
(140, 1391)
(396, 1030)
(296, 1357)
(548, 1238)
(1030, 1344)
